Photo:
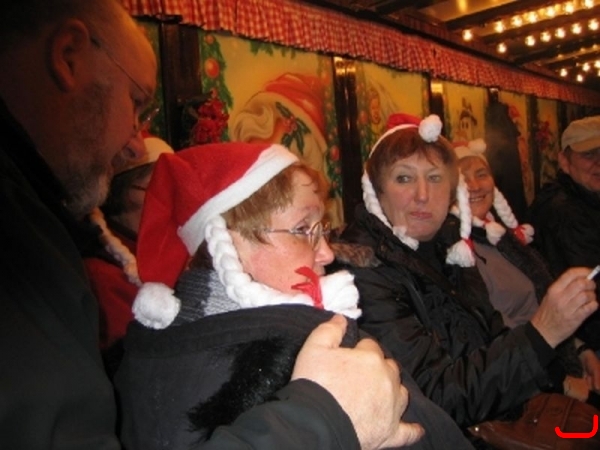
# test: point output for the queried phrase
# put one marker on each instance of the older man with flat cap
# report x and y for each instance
(566, 212)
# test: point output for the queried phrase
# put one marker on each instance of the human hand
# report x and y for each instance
(364, 383)
(576, 388)
(567, 303)
(591, 369)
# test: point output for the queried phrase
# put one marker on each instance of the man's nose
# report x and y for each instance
(135, 148)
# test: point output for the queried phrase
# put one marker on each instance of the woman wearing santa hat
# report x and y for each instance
(218, 337)
(516, 275)
(424, 298)
(113, 270)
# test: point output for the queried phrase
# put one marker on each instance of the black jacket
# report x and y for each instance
(55, 393)
(566, 218)
(439, 324)
(179, 384)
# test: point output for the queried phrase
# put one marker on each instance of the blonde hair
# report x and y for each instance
(253, 215)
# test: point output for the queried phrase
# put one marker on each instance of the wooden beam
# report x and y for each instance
(533, 28)
(487, 15)
(531, 55)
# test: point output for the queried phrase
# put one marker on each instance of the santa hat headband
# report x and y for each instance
(153, 148)
(494, 231)
(186, 197)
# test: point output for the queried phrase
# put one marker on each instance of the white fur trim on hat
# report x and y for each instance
(155, 306)
(270, 162)
(338, 291)
(474, 148)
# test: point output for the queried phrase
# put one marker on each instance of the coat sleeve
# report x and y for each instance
(473, 387)
(303, 416)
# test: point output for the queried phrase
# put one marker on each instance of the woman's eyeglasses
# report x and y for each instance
(314, 233)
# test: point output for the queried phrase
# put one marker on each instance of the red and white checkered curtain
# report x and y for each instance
(294, 24)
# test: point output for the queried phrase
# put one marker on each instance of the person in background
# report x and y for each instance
(425, 300)
(113, 270)
(75, 81)
(69, 69)
(515, 274)
(566, 212)
(227, 338)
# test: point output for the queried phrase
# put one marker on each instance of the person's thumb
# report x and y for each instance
(329, 334)
(407, 434)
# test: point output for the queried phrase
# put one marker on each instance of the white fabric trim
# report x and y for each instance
(270, 162)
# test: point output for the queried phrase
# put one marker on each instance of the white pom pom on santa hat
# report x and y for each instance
(155, 306)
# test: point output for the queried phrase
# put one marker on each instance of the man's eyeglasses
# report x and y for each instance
(314, 233)
(145, 118)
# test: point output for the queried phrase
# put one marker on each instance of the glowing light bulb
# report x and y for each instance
(499, 27)
(501, 48)
(593, 24)
(530, 41)
(589, 4)
(579, 77)
(546, 36)
(467, 35)
(564, 72)
(569, 8)
(532, 17)
(576, 28)
(560, 33)
(586, 67)
(550, 12)
(597, 64)
(516, 21)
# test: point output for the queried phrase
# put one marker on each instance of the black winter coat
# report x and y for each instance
(179, 384)
(566, 218)
(54, 392)
(438, 323)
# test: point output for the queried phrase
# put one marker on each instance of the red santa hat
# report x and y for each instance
(494, 231)
(185, 200)
(430, 129)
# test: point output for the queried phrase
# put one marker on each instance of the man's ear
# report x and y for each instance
(67, 48)
(563, 162)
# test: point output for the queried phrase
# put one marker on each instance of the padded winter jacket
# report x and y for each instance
(179, 384)
(566, 218)
(438, 323)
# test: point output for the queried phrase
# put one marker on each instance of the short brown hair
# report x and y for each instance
(251, 216)
(402, 144)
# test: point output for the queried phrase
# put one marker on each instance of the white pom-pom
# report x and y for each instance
(494, 231)
(155, 306)
(460, 254)
(524, 233)
(430, 128)
(340, 294)
(477, 145)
